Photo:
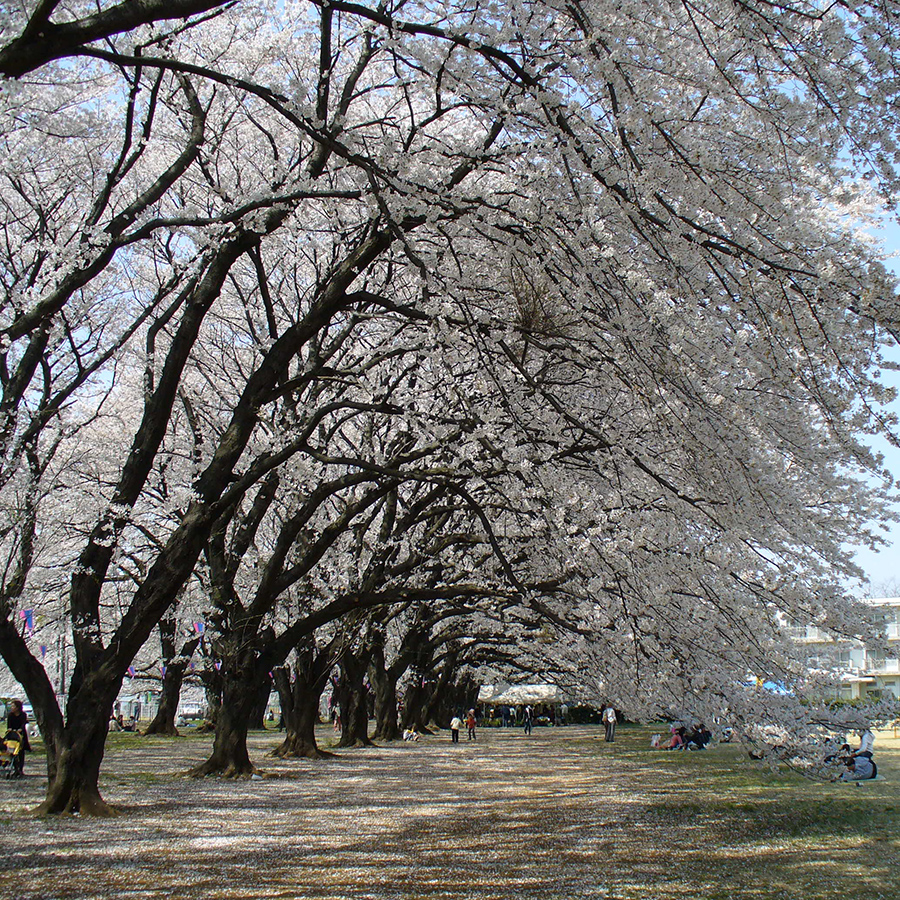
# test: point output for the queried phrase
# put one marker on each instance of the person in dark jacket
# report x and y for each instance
(698, 738)
(17, 721)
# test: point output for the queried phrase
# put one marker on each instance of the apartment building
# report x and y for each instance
(863, 673)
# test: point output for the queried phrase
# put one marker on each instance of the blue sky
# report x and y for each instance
(883, 568)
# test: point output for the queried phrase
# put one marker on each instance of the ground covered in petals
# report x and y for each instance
(558, 814)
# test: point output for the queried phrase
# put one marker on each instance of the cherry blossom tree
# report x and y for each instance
(618, 244)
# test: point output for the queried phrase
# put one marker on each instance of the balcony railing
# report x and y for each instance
(814, 634)
(884, 667)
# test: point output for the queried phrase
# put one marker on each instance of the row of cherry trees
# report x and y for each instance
(325, 316)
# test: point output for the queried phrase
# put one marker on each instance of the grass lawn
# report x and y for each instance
(558, 814)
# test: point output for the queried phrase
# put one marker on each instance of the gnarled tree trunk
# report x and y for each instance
(353, 697)
(436, 709)
(300, 709)
(74, 769)
(75, 785)
(211, 678)
(260, 704)
(230, 757)
(414, 705)
(387, 720)
(174, 667)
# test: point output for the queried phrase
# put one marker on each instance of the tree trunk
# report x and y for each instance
(261, 704)
(436, 709)
(33, 677)
(230, 757)
(384, 686)
(459, 695)
(421, 654)
(300, 708)
(211, 678)
(414, 705)
(75, 787)
(355, 721)
(74, 770)
(164, 720)
(173, 675)
(354, 703)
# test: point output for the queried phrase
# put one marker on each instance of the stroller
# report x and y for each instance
(12, 755)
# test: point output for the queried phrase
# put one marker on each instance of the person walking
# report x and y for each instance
(529, 719)
(470, 724)
(455, 725)
(609, 720)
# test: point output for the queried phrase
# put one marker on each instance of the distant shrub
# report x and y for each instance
(583, 715)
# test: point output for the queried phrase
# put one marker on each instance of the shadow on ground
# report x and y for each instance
(558, 814)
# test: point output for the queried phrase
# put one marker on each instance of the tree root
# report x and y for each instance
(356, 742)
(302, 752)
(223, 770)
(164, 732)
(77, 804)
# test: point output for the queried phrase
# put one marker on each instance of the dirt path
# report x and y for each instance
(556, 815)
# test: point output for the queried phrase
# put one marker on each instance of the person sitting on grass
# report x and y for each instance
(698, 738)
(841, 755)
(676, 742)
(866, 743)
(859, 768)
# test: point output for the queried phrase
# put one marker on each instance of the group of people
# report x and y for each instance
(681, 737)
(456, 724)
(859, 764)
(120, 723)
(696, 738)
